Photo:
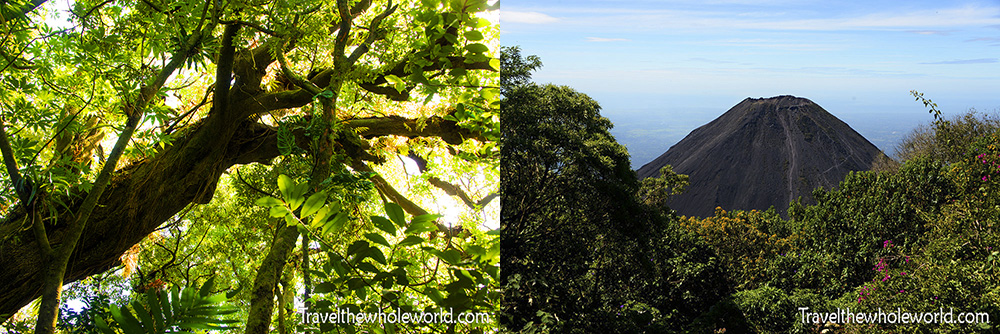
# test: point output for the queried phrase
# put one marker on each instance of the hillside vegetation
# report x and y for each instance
(585, 249)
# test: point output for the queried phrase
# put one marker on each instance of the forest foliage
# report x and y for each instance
(192, 165)
(919, 235)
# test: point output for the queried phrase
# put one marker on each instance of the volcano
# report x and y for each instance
(761, 153)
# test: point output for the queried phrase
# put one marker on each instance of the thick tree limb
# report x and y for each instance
(295, 78)
(250, 67)
(386, 189)
(266, 282)
(144, 195)
(224, 69)
(253, 25)
(435, 126)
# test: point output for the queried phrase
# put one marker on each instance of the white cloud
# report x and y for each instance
(920, 21)
(931, 32)
(600, 39)
(965, 61)
(509, 16)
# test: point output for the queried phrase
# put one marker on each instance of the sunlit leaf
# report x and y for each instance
(285, 184)
(314, 203)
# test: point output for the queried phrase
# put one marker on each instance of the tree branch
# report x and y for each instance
(224, 69)
(386, 189)
(343, 34)
(449, 188)
(22, 186)
(295, 78)
(435, 126)
(253, 25)
(373, 34)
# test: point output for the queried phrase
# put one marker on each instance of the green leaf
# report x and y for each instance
(492, 254)
(390, 328)
(297, 193)
(268, 201)
(314, 203)
(319, 218)
(384, 224)
(175, 304)
(477, 48)
(291, 221)
(365, 266)
(233, 293)
(421, 224)
(376, 254)
(396, 82)
(411, 240)
(285, 184)
(103, 325)
(377, 238)
(355, 284)
(393, 79)
(125, 318)
(489, 93)
(422, 219)
(395, 212)
(476, 250)
(325, 287)
(146, 320)
(482, 23)
(473, 35)
(335, 224)
(278, 211)
(206, 288)
(155, 309)
(450, 256)
(357, 246)
(433, 294)
(300, 190)
(418, 77)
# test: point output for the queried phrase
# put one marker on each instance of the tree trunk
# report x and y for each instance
(266, 282)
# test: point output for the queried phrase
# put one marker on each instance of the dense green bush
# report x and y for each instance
(918, 238)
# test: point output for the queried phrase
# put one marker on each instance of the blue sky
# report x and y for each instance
(662, 68)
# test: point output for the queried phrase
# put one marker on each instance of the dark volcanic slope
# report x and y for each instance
(763, 152)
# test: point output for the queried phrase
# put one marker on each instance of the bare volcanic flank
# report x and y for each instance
(763, 153)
